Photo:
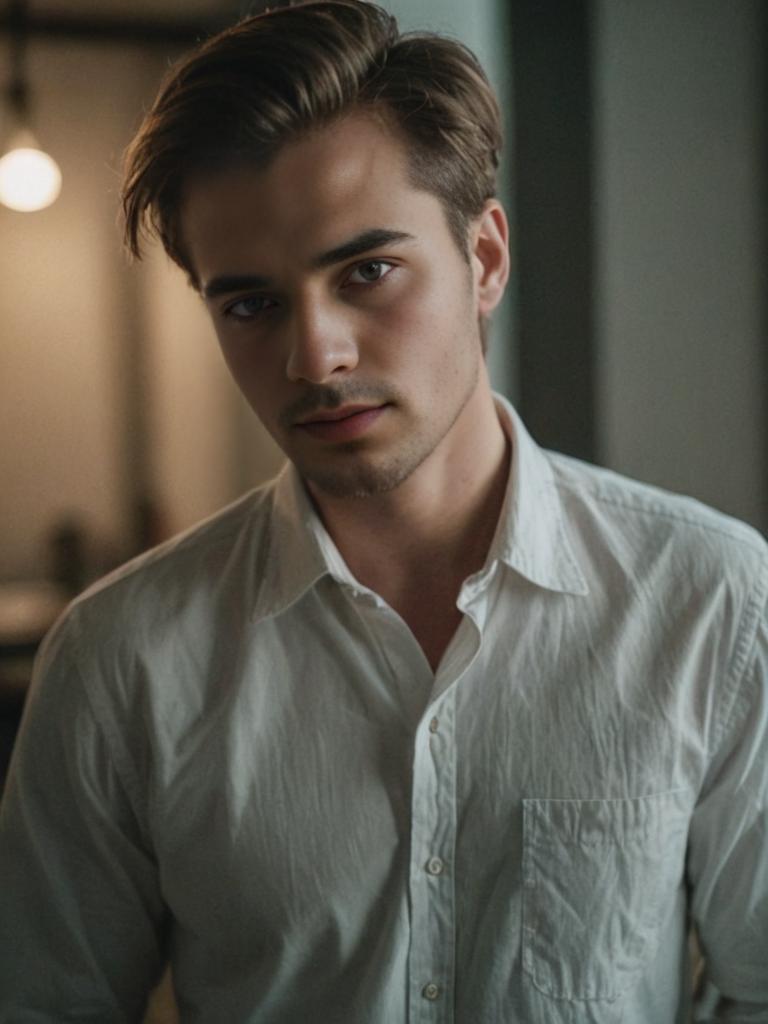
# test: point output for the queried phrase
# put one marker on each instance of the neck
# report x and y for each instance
(433, 530)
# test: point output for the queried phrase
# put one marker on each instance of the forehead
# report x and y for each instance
(329, 185)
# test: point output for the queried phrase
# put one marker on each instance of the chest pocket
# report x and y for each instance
(598, 876)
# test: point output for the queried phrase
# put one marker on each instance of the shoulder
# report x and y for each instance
(637, 522)
(680, 578)
(146, 643)
(180, 578)
(675, 567)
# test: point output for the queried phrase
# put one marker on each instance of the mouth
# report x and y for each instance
(342, 424)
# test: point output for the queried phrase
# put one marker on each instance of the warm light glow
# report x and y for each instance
(29, 179)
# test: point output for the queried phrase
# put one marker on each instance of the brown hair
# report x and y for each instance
(248, 90)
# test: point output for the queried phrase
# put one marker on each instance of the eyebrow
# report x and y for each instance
(374, 238)
(360, 244)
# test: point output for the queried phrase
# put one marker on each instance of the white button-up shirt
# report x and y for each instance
(237, 756)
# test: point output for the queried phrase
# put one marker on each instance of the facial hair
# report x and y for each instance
(352, 472)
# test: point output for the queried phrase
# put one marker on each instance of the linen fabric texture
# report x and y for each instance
(236, 757)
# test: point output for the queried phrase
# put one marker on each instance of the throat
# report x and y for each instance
(426, 602)
(416, 551)
(433, 628)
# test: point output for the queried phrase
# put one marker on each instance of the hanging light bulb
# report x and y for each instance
(29, 178)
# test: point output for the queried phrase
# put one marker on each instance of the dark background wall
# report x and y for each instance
(640, 205)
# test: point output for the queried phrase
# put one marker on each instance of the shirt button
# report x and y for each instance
(430, 991)
(435, 866)
(433, 725)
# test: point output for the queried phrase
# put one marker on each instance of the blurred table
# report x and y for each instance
(27, 612)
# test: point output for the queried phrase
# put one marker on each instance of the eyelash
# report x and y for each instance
(374, 263)
(229, 313)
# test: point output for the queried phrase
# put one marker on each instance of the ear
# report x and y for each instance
(489, 241)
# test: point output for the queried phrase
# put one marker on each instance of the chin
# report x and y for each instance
(363, 480)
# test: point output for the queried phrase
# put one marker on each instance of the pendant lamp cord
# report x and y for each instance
(18, 90)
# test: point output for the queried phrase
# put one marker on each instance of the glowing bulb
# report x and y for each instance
(29, 179)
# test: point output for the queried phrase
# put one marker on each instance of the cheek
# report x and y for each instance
(442, 316)
(423, 318)
(252, 372)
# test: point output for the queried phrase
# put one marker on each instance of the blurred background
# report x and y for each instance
(633, 335)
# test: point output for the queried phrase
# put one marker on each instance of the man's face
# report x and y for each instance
(344, 310)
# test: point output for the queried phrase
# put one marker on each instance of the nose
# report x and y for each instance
(321, 342)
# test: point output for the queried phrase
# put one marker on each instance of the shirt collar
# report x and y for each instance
(530, 538)
(300, 551)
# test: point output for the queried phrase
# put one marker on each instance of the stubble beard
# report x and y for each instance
(361, 477)
(352, 473)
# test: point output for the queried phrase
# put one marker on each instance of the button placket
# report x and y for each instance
(433, 827)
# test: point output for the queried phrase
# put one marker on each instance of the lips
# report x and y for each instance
(342, 424)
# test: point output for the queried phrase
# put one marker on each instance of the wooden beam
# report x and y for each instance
(120, 31)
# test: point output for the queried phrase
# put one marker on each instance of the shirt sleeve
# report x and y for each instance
(728, 850)
(81, 915)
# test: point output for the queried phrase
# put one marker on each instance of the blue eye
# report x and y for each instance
(249, 308)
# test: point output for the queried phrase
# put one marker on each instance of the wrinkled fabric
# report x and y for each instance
(236, 756)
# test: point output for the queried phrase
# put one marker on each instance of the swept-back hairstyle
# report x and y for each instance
(247, 91)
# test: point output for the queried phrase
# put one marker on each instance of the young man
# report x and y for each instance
(436, 727)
